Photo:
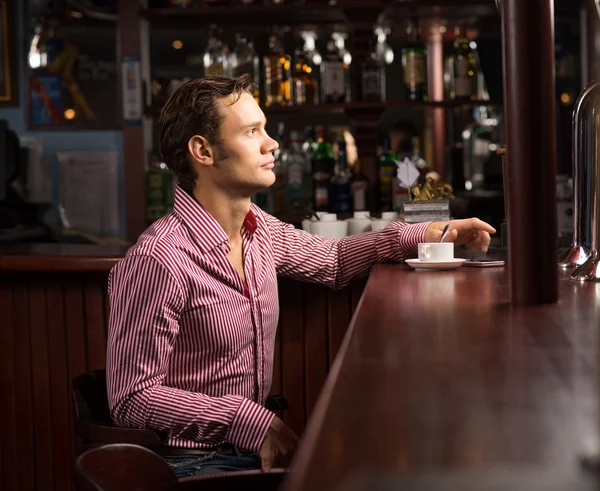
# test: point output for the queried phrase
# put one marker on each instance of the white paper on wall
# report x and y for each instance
(89, 191)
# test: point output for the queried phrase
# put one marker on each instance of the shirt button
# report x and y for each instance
(223, 246)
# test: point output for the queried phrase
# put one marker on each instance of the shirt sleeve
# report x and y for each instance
(146, 302)
(334, 263)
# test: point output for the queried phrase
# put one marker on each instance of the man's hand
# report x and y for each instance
(278, 446)
(471, 231)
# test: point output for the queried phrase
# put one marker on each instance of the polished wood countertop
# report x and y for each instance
(59, 257)
(441, 384)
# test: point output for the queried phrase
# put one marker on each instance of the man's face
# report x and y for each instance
(244, 159)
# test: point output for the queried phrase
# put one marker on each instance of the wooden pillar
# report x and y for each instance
(529, 95)
(129, 45)
(590, 43)
(436, 117)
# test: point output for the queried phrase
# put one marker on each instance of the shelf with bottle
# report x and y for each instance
(316, 82)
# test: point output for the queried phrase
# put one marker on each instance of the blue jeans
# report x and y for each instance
(193, 465)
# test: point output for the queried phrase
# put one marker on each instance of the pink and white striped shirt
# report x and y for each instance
(190, 346)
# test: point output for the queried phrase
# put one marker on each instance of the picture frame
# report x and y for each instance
(8, 59)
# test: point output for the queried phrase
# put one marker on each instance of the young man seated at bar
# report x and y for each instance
(194, 304)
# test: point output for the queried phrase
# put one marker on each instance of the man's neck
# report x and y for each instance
(228, 211)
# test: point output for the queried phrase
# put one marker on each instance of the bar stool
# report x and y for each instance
(123, 467)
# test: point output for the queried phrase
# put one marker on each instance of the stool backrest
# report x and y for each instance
(123, 467)
(93, 424)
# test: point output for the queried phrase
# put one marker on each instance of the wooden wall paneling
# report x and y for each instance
(339, 311)
(76, 344)
(60, 393)
(292, 352)
(95, 323)
(23, 421)
(316, 341)
(40, 380)
(8, 376)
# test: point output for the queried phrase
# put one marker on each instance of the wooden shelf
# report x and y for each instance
(235, 15)
(357, 106)
(240, 15)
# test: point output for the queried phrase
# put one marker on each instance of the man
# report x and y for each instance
(194, 304)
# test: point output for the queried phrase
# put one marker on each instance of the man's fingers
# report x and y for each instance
(267, 464)
(480, 241)
(481, 225)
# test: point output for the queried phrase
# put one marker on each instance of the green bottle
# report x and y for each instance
(414, 63)
(386, 172)
(323, 164)
(463, 67)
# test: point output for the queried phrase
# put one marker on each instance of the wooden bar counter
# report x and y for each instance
(53, 317)
(441, 384)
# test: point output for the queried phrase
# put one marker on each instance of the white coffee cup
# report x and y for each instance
(436, 251)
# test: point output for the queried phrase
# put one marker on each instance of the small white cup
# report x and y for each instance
(436, 251)
(359, 223)
(306, 222)
(389, 216)
(329, 227)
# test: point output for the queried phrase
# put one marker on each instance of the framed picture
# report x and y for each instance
(8, 58)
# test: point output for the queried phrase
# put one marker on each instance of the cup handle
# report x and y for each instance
(427, 252)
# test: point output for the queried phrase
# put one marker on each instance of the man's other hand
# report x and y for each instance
(278, 446)
(472, 231)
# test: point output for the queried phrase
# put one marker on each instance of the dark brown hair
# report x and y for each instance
(192, 110)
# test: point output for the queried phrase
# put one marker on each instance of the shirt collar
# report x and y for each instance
(205, 230)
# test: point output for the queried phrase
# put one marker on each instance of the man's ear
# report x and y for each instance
(200, 150)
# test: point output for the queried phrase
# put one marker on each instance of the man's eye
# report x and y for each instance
(253, 131)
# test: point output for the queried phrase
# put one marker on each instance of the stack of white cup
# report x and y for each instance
(328, 226)
(387, 217)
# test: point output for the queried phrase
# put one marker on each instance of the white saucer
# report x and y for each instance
(452, 264)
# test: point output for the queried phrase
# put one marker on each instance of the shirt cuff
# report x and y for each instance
(399, 240)
(250, 425)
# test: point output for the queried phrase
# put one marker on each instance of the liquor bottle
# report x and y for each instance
(245, 60)
(333, 76)
(298, 182)
(323, 162)
(304, 85)
(414, 63)
(159, 189)
(310, 144)
(462, 67)
(341, 196)
(340, 41)
(359, 186)
(386, 173)
(418, 161)
(277, 65)
(373, 79)
(216, 57)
